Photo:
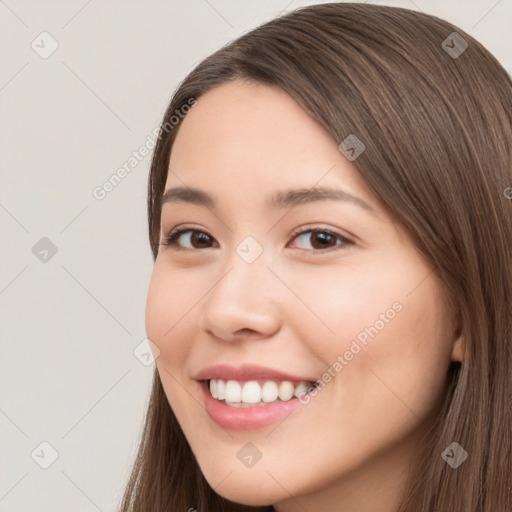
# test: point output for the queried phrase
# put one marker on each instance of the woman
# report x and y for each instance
(331, 303)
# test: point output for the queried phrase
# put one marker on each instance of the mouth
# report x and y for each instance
(256, 393)
(255, 404)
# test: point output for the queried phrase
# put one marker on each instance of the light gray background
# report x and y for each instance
(69, 326)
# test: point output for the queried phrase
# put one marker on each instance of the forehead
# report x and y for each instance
(235, 118)
(252, 139)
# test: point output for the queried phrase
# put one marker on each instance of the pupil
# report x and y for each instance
(201, 238)
(323, 238)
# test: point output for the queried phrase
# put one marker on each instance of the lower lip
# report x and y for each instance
(246, 418)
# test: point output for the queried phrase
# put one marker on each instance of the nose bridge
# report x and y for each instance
(245, 272)
(243, 297)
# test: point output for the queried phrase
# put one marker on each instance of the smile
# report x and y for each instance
(239, 415)
(254, 393)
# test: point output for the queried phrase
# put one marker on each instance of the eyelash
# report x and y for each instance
(173, 236)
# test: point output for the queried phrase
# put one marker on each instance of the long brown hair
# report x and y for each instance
(434, 111)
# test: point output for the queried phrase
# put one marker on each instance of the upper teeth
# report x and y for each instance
(251, 392)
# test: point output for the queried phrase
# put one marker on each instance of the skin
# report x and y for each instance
(297, 307)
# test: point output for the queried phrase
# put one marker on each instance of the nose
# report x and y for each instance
(244, 302)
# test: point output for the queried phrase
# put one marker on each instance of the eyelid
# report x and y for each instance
(346, 241)
(177, 231)
(316, 227)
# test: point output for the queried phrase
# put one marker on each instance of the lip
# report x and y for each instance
(246, 418)
(247, 372)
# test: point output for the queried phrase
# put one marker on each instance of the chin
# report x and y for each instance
(251, 497)
(246, 488)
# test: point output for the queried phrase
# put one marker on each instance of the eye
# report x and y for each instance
(194, 236)
(320, 239)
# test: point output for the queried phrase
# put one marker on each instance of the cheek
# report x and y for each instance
(338, 305)
(400, 370)
(382, 334)
(167, 304)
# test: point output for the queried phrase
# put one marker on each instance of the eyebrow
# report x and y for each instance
(281, 199)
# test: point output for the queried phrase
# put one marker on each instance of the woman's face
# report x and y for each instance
(351, 305)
